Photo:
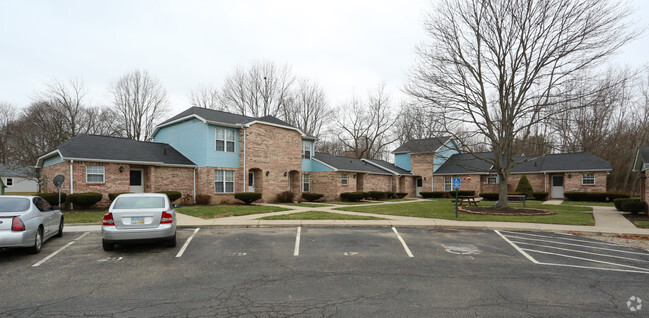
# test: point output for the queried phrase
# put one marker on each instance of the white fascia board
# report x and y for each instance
(381, 167)
(39, 161)
(280, 126)
(635, 161)
(155, 131)
(325, 164)
(366, 172)
(145, 163)
(216, 123)
(461, 174)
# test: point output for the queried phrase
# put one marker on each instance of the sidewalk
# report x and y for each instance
(607, 220)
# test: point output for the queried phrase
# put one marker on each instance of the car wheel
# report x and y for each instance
(38, 242)
(172, 241)
(107, 246)
(60, 232)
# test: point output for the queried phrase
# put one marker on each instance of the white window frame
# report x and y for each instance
(306, 182)
(306, 148)
(448, 184)
(96, 173)
(344, 179)
(588, 176)
(9, 182)
(494, 178)
(227, 137)
(225, 178)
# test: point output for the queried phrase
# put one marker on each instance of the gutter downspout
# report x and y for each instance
(195, 185)
(545, 182)
(245, 173)
(398, 177)
(71, 183)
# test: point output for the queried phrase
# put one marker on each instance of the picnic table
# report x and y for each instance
(469, 199)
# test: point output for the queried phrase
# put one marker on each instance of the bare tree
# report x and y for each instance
(365, 126)
(498, 68)
(261, 90)
(306, 108)
(416, 122)
(206, 96)
(68, 100)
(141, 103)
(7, 117)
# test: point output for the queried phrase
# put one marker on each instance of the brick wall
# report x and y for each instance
(573, 183)
(376, 182)
(422, 166)
(407, 184)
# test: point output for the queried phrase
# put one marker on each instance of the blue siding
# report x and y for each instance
(445, 153)
(308, 164)
(52, 161)
(314, 166)
(188, 137)
(402, 160)
(221, 158)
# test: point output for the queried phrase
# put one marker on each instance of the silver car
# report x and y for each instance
(28, 221)
(139, 218)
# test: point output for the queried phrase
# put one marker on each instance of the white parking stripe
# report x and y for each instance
(182, 250)
(561, 238)
(59, 250)
(296, 252)
(528, 256)
(405, 247)
(583, 252)
(589, 260)
(580, 245)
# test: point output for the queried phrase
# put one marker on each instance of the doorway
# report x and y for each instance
(419, 186)
(251, 181)
(137, 186)
(557, 187)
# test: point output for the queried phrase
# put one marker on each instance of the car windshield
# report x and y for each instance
(14, 204)
(139, 203)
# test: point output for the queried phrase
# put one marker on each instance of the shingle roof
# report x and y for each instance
(389, 166)
(348, 164)
(644, 153)
(16, 171)
(104, 148)
(422, 145)
(579, 161)
(643, 156)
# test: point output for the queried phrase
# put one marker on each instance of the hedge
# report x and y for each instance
(112, 196)
(633, 206)
(429, 195)
(84, 200)
(247, 197)
(493, 196)
(353, 196)
(311, 196)
(376, 195)
(595, 196)
(203, 199)
(53, 197)
(390, 195)
(617, 195)
(461, 192)
(285, 197)
(173, 195)
(541, 196)
(401, 195)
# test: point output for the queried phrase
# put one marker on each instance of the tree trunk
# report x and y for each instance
(502, 191)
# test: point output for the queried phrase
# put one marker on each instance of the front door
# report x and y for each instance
(137, 186)
(251, 182)
(419, 185)
(557, 187)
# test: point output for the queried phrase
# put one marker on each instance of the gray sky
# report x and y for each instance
(346, 46)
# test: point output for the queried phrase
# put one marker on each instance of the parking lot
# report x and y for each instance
(312, 271)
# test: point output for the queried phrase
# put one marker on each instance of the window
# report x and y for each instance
(492, 180)
(448, 183)
(224, 139)
(306, 150)
(224, 181)
(344, 179)
(10, 182)
(42, 205)
(95, 174)
(306, 183)
(588, 178)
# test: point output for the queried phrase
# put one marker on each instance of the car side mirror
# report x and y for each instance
(175, 206)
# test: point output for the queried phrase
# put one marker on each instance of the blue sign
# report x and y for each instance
(457, 182)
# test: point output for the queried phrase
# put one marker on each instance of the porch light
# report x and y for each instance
(569, 176)
(284, 173)
(121, 169)
(267, 173)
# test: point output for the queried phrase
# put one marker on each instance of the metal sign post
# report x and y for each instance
(58, 181)
(457, 183)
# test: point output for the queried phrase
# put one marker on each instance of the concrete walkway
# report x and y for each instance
(607, 220)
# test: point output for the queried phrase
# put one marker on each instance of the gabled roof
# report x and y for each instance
(16, 171)
(641, 159)
(219, 117)
(388, 166)
(428, 145)
(475, 164)
(115, 149)
(348, 164)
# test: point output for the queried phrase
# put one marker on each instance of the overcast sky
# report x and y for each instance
(346, 46)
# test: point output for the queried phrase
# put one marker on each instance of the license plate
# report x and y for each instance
(137, 220)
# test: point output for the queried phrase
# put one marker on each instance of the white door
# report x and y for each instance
(557, 187)
(419, 185)
(251, 182)
(137, 186)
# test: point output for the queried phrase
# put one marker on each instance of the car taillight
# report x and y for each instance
(17, 224)
(166, 218)
(108, 219)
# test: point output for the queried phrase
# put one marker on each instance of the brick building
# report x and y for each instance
(641, 165)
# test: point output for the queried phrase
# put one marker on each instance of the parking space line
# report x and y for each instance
(296, 252)
(59, 250)
(182, 250)
(402, 242)
(645, 270)
(580, 245)
(560, 238)
(583, 252)
(528, 256)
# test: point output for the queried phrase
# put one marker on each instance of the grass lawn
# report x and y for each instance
(642, 224)
(588, 203)
(445, 209)
(319, 215)
(351, 203)
(83, 216)
(306, 205)
(225, 210)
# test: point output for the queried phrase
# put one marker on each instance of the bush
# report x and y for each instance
(390, 195)
(187, 199)
(173, 195)
(285, 197)
(112, 196)
(84, 200)
(353, 196)
(617, 195)
(203, 199)
(618, 203)
(633, 206)
(247, 197)
(53, 198)
(311, 196)
(541, 196)
(401, 195)
(525, 187)
(429, 195)
(376, 195)
(586, 196)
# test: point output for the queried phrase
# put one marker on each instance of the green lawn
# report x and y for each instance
(445, 209)
(588, 203)
(642, 224)
(83, 216)
(306, 205)
(225, 210)
(319, 215)
(351, 203)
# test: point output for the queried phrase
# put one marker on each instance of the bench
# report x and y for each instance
(514, 198)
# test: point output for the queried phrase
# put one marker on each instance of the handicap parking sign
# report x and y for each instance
(456, 183)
